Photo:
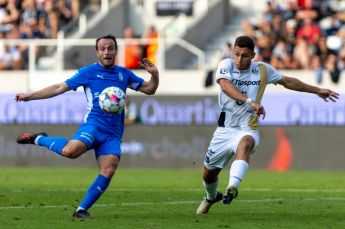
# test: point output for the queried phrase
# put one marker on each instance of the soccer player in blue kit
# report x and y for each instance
(100, 131)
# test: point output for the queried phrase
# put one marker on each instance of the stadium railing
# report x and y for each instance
(56, 63)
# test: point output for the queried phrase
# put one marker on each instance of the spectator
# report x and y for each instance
(341, 58)
(133, 51)
(48, 20)
(65, 13)
(301, 53)
(74, 6)
(321, 49)
(316, 65)
(269, 11)
(279, 50)
(10, 58)
(289, 35)
(332, 67)
(264, 49)
(15, 50)
(276, 27)
(290, 62)
(290, 10)
(8, 12)
(29, 13)
(151, 48)
(228, 51)
(307, 9)
(310, 31)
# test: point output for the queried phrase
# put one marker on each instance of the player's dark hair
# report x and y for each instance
(109, 36)
(245, 42)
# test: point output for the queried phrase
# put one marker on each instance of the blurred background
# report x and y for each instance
(45, 41)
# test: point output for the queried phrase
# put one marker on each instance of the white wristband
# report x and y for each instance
(248, 100)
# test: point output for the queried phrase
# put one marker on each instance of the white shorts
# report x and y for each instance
(224, 145)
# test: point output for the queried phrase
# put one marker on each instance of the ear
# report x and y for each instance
(97, 54)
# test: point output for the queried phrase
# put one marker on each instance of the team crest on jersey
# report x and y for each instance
(224, 71)
(120, 76)
(255, 71)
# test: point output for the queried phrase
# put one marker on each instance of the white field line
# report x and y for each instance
(182, 190)
(169, 203)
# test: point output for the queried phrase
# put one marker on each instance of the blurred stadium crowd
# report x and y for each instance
(37, 19)
(31, 19)
(291, 34)
(301, 34)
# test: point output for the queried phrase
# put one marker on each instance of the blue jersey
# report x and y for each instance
(94, 78)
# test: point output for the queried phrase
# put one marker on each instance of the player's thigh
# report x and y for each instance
(87, 134)
(219, 151)
(74, 149)
(108, 146)
(246, 136)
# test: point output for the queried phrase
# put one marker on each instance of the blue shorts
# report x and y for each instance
(103, 143)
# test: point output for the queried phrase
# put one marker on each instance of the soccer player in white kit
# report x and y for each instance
(242, 83)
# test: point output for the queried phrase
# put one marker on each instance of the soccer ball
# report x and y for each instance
(112, 100)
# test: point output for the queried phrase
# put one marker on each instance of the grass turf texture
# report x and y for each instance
(168, 198)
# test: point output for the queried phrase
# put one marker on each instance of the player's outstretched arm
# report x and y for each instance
(232, 91)
(48, 92)
(150, 87)
(297, 85)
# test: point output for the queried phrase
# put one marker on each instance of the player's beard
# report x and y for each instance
(108, 63)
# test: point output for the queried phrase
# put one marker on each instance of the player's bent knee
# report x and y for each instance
(108, 171)
(210, 176)
(70, 153)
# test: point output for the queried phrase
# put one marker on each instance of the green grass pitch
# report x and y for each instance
(168, 198)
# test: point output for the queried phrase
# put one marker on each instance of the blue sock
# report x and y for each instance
(95, 191)
(55, 144)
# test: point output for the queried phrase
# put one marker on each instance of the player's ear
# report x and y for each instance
(97, 54)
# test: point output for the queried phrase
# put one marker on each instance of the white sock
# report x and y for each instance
(211, 190)
(80, 208)
(237, 171)
(36, 140)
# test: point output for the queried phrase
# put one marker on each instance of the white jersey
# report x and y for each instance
(251, 82)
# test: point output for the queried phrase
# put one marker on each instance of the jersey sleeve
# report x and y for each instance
(134, 81)
(223, 70)
(80, 78)
(273, 75)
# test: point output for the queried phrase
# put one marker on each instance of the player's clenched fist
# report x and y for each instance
(21, 97)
